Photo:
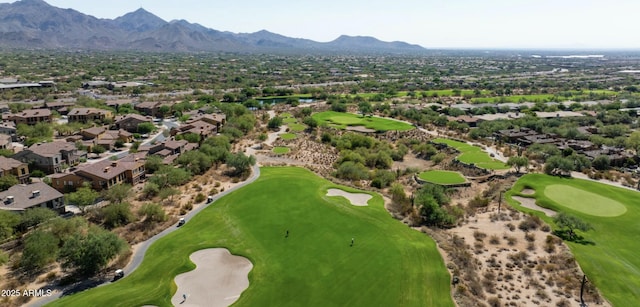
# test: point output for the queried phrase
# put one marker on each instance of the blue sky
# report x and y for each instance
(584, 24)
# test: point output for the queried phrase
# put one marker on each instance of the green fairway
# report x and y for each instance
(612, 262)
(288, 136)
(289, 120)
(573, 95)
(295, 127)
(442, 177)
(584, 201)
(390, 264)
(281, 150)
(342, 120)
(473, 155)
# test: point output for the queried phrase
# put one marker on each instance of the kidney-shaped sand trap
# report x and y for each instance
(218, 279)
(356, 199)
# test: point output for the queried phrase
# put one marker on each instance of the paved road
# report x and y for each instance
(138, 256)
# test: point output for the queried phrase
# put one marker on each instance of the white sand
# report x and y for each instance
(218, 279)
(356, 199)
(531, 204)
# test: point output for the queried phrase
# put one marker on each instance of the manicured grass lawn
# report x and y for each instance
(542, 97)
(288, 136)
(473, 154)
(342, 120)
(612, 262)
(286, 115)
(389, 265)
(295, 127)
(281, 150)
(442, 177)
(289, 120)
(584, 201)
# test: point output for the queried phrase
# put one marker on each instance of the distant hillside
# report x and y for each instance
(34, 24)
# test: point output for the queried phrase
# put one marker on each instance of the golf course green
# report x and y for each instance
(281, 150)
(473, 155)
(610, 260)
(442, 177)
(288, 136)
(389, 264)
(584, 201)
(342, 120)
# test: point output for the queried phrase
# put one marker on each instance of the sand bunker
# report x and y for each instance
(528, 191)
(356, 199)
(531, 204)
(218, 279)
(359, 129)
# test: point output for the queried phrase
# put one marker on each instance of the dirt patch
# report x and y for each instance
(218, 279)
(528, 192)
(493, 260)
(356, 199)
(531, 204)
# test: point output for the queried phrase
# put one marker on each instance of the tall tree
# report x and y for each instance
(83, 197)
(571, 223)
(90, 251)
(518, 162)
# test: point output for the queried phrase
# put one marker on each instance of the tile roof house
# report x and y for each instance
(31, 117)
(150, 108)
(8, 128)
(217, 119)
(199, 127)
(130, 122)
(9, 166)
(88, 115)
(5, 142)
(24, 196)
(104, 137)
(107, 173)
(165, 148)
(49, 157)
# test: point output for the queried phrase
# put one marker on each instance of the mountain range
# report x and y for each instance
(34, 24)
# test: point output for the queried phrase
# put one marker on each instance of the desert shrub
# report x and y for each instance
(530, 223)
(512, 240)
(545, 228)
(530, 237)
(494, 240)
(479, 235)
(478, 202)
(494, 302)
(4, 258)
(511, 227)
(531, 246)
(188, 206)
(116, 215)
(200, 198)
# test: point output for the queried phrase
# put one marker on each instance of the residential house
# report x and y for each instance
(512, 135)
(199, 127)
(5, 142)
(50, 157)
(130, 122)
(149, 108)
(21, 197)
(107, 173)
(617, 156)
(471, 121)
(66, 182)
(217, 119)
(104, 137)
(31, 117)
(18, 169)
(9, 128)
(89, 115)
(60, 107)
(165, 148)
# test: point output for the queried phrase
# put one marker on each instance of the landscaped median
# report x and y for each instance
(470, 154)
(609, 257)
(307, 249)
(343, 120)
